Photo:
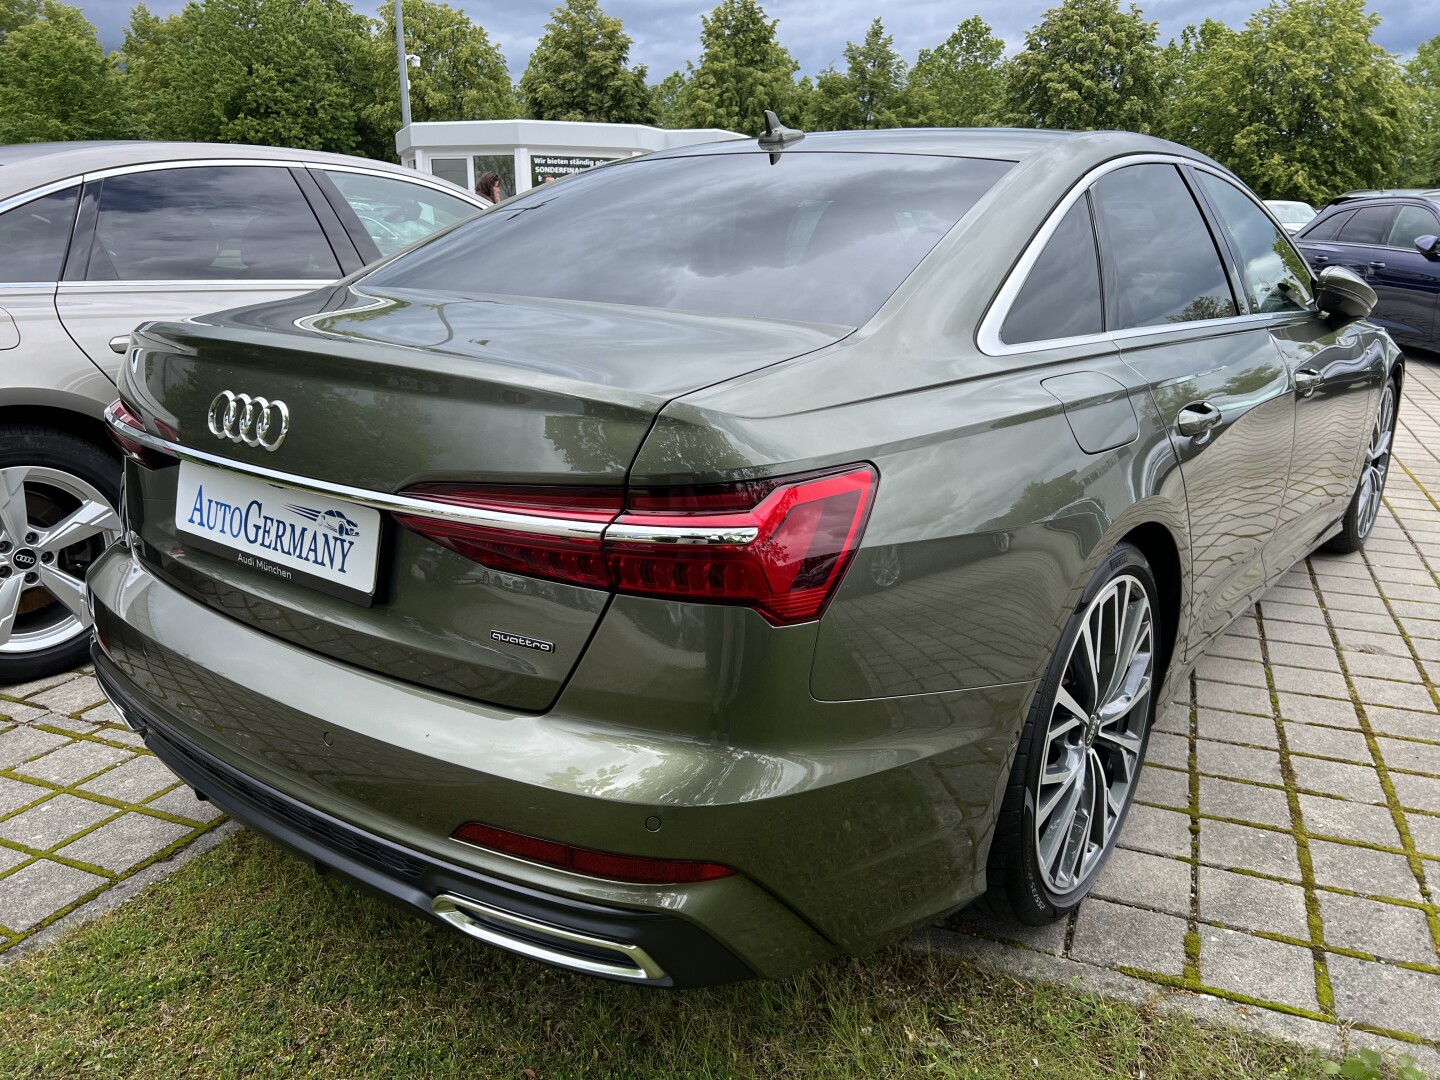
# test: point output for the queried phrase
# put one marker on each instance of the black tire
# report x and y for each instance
(1018, 888)
(49, 448)
(1359, 519)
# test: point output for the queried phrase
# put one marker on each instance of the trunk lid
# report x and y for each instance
(387, 392)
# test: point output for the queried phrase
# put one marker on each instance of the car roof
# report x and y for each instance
(1384, 196)
(1374, 193)
(1003, 144)
(24, 166)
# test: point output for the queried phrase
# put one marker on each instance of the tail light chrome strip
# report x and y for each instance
(629, 533)
(405, 504)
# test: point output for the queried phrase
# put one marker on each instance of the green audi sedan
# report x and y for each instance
(738, 556)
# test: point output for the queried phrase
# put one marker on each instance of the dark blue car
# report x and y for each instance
(1392, 240)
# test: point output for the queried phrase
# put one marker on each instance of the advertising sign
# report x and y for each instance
(544, 167)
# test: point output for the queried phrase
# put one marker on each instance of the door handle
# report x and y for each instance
(1197, 418)
(1377, 266)
(1306, 381)
(119, 343)
(1320, 258)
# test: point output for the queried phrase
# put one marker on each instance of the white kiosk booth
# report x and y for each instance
(527, 152)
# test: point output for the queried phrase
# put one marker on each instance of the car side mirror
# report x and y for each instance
(1429, 246)
(1343, 292)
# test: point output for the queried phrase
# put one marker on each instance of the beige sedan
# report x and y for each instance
(98, 237)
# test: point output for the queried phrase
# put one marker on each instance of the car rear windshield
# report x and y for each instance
(814, 237)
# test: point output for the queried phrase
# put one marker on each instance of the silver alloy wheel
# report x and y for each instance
(1096, 734)
(1377, 462)
(42, 564)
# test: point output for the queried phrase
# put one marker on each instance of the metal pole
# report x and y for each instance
(404, 64)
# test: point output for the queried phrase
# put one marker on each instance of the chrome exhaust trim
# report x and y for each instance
(490, 925)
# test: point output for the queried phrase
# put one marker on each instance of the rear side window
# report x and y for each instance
(396, 213)
(1275, 275)
(207, 224)
(1412, 222)
(33, 237)
(1161, 262)
(1328, 229)
(1368, 225)
(816, 237)
(1061, 297)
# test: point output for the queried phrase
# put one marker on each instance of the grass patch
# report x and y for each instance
(246, 963)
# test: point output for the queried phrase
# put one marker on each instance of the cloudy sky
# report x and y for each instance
(667, 32)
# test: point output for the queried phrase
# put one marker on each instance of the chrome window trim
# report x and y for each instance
(988, 338)
(12, 201)
(419, 178)
(196, 284)
(26, 285)
(190, 163)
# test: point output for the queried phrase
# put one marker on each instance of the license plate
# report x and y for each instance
(323, 543)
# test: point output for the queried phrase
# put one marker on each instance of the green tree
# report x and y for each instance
(287, 72)
(665, 95)
(1181, 64)
(1422, 75)
(149, 60)
(961, 82)
(579, 70)
(16, 13)
(870, 93)
(1087, 66)
(1301, 103)
(56, 83)
(462, 73)
(743, 71)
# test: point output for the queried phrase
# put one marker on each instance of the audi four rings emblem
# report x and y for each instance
(254, 421)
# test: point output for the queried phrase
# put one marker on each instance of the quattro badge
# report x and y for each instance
(523, 641)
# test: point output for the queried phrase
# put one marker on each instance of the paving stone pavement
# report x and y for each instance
(83, 805)
(1283, 853)
(1284, 849)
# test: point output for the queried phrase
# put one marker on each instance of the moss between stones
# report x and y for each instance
(1324, 993)
(1397, 812)
(10, 938)
(1193, 940)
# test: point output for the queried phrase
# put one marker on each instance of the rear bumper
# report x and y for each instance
(629, 946)
(848, 823)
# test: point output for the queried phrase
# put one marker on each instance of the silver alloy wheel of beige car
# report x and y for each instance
(52, 525)
(1096, 734)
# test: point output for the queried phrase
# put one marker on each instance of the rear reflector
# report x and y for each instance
(631, 868)
(779, 545)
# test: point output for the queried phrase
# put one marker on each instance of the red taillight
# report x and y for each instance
(135, 450)
(805, 530)
(632, 868)
(780, 546)
(565, 553)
